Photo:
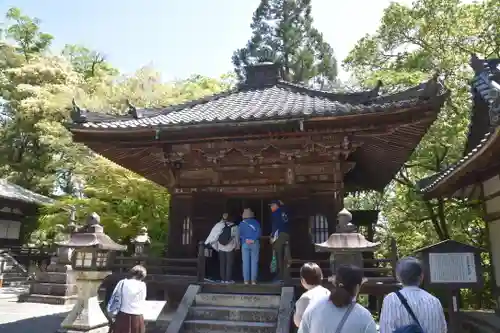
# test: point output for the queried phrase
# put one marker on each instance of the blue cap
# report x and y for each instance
(277, 202)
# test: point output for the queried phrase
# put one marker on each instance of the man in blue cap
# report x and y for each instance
(279, 235)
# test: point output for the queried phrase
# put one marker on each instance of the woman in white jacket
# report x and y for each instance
(224, 238)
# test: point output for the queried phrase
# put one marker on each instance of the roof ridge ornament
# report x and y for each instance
(132, 110)
(77, 114)
(478, 65)
(432, 87)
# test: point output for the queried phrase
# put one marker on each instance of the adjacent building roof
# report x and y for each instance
(486, 86)
(17, 193)
(264, 96)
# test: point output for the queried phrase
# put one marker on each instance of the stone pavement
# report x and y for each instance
(28, 317)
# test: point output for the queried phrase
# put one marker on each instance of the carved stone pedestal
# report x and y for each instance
(87, 316)
(57, 285)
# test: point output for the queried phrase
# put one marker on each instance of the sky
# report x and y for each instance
(184, 37)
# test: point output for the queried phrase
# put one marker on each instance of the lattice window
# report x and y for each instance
(318, 228)
(187, 231)
(10, 229)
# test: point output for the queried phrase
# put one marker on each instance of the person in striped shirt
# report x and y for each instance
(427, 308)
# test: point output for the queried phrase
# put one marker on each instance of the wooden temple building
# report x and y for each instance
(18, 213)
(266, 139)
(477, 175)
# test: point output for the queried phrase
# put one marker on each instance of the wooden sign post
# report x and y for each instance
(451, 266)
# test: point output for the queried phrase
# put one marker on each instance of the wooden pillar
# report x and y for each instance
(181, 242)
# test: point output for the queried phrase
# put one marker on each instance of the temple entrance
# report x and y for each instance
(260, 207)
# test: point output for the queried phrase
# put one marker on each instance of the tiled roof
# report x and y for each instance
(15, 192)
(485, 84)
(280, 100)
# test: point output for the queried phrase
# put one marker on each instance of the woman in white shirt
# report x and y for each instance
(311, 278)
(127, 303)
(339, 313)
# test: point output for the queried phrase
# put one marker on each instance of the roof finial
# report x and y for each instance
(132, 110)
(77, 114)
(476, 63)
(432, 87)
(376, 90)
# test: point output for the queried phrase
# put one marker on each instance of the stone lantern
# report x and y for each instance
(141, 242)
(346, 246)
(91, 259)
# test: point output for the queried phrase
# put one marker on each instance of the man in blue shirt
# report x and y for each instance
(279, 235)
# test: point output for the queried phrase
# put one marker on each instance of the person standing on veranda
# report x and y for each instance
(224, 238)
(250, 233)
(279, 235)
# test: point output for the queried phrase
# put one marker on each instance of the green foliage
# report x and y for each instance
(25, 31)
(37, 151)
(282, 31)
(412, 44)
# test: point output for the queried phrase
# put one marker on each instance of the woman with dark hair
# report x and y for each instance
(311, 277)
(126, 305)
(339, 313)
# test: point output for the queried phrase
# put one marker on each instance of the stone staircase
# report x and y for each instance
(234, 309)
(12, 271)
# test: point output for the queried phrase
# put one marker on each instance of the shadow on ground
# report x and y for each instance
(45, 324)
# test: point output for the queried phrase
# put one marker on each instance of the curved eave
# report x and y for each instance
(466, 171)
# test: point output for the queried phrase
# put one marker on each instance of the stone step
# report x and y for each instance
(240, 288)
(157, 326)
(225, 313)
(219, 326)
(238, 300)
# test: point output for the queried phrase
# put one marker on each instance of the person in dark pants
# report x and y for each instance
(279, 235)
(225, 239)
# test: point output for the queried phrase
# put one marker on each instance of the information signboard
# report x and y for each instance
(452, 268)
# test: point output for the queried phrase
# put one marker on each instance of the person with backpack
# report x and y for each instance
(411, 310)
(224, 238)
(339, 312)
(250, 233)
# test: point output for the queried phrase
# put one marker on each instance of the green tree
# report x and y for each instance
(87, 62)
(282, 31)
(25, 32)
(37, 151)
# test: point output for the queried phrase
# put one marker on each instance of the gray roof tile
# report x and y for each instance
(486, 83)
(15, 192)
(247, 103)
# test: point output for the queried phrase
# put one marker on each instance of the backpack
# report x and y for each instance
(412, 328)
(226, 234)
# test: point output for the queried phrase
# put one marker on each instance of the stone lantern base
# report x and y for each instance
(87, 316)
(56, 286)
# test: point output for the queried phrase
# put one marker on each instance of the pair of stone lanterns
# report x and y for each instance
(91, 252)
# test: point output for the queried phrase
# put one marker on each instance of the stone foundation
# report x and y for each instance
(56, 286)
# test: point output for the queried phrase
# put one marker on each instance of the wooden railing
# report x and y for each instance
(157, 265)
(28, 258)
